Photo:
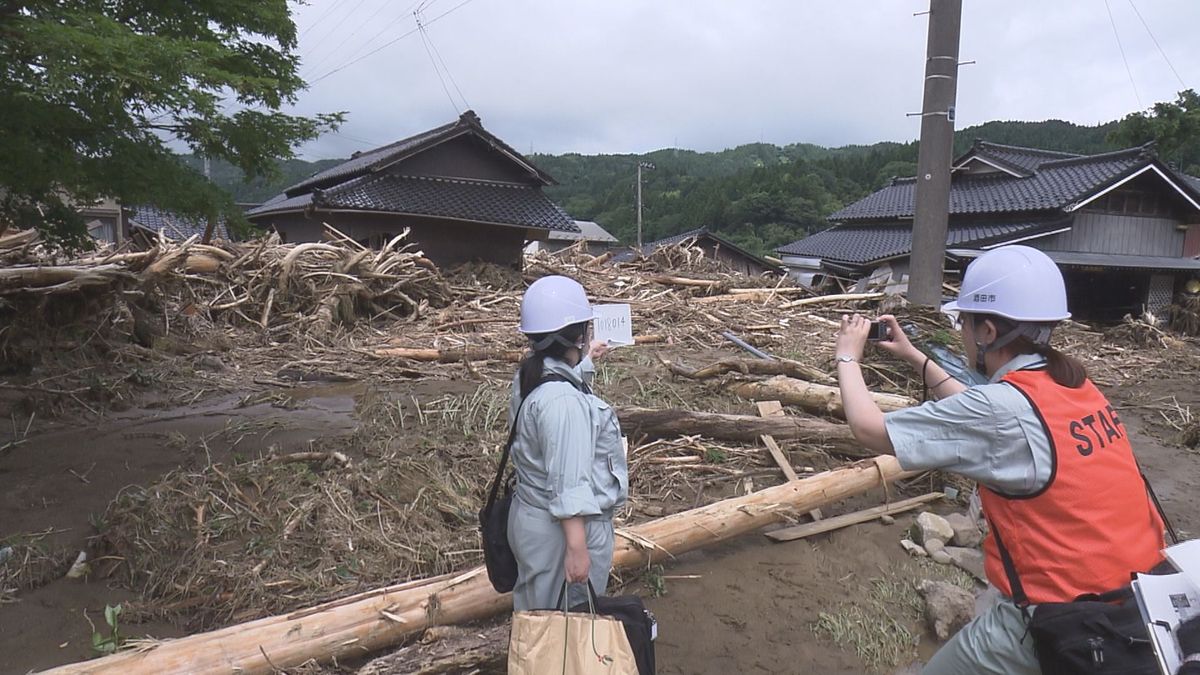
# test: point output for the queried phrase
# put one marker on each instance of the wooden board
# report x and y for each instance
(838, 522)
(775, 409)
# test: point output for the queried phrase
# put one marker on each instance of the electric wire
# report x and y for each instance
(333, 5)
(316, 45)
(436, 70)
(1121, 47)
(334, 52)
(387, 27)
(1157, 45)
(389, 43)
(446, 68)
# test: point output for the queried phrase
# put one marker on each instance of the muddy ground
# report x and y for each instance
(836, 603)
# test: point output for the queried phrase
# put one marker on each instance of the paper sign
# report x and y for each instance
(613, 324)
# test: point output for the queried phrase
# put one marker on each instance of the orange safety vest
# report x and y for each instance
(1093, 524)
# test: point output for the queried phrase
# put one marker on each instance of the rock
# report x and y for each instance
(966, 530)
(931, 526)
(934, 545)
(5, 554)
(210, 363)
(968, 559)
(940, 556)
(887, 520)
(80, 568)
(947, 607)
(913, 548)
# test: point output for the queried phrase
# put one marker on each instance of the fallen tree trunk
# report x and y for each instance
(360, 624)
(815, 398)
(672, 423)
(451, 355)
(752, 367)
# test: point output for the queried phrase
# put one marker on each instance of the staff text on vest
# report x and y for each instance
(1103, 425)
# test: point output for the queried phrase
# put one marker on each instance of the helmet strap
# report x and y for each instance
(554, 338)
(1038, 334)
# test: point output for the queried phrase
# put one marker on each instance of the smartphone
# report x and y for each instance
(879, 332)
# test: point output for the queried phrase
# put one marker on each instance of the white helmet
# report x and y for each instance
(553, 303)
(1016, 282)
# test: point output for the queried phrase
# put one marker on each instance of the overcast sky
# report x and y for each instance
(612, 76)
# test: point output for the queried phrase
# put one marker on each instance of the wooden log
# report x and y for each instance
(59, 278)
(355, 626)
(685, 281)
(448, 650)
(777, 366)
(815, 398)
(451, 355)
(838, 522)
(829, 299)
(672, 423)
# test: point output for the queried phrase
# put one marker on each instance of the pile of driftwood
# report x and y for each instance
(262, 283)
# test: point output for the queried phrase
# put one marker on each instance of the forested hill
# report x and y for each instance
(759, 195)
(763, 196)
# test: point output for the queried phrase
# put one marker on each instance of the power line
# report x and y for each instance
(436, 70)
(1121, 47)
(1155, 40)
(316, 45)
(389, 43)
(387, 27)
(429, 41)
(333, 5)
(334, 52)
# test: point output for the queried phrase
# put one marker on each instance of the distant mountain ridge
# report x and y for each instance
(759, 195)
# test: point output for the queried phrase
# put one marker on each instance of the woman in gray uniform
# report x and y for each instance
(567, 452)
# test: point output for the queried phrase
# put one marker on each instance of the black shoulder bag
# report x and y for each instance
(1097, 633)
(493, 517)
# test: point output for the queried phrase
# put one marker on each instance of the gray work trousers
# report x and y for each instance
(990, 644)
(540, 547)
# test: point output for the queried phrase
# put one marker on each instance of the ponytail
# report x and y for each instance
(534, 364)
(1066, 370)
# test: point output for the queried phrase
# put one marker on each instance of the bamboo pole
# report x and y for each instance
(777, 366)
(837, 297)
(477, 353)
(815, 398)
(353, 627)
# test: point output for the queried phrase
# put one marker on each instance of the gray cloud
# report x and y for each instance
(597, 76)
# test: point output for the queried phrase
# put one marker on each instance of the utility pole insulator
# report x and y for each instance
(932, 195)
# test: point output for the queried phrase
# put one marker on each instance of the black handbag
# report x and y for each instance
(1095, 634)
(639, 623)
(498, 555)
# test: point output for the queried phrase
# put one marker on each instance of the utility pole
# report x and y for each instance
(931, 212)
(207, 168)
(641, 165)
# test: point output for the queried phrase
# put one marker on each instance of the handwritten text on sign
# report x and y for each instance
(613, 324)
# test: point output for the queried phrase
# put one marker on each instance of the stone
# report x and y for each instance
(931, 526)
(887, 520)
(969, 560)
(210, 363)
(934, 545)
(966, 530)
(947, 607)
(913, 548)
(940, 556)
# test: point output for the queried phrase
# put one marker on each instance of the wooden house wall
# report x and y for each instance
(445, 242)
(463, 157)
(1094, 232)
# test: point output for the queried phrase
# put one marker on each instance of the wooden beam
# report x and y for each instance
(775, 409)
(829, 299)
(355, 626)
(838, 522)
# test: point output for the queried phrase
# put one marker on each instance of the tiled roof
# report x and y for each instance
(698, 233)
(1028, 159)
(372, 160)
(173, 225)
(481, 201)
(865, 243)
(588, 231)
(1055, 184)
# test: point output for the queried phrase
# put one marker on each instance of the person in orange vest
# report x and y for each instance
(1056, 471)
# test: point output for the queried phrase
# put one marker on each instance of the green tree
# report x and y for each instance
(94, 94)
(1173, 126)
